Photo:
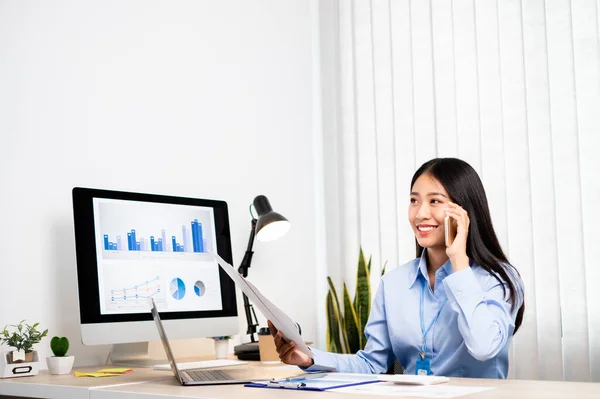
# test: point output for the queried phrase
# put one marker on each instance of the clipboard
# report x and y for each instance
(318, 382)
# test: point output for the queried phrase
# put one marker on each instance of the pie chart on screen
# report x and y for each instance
(199, 288)
(177, 288)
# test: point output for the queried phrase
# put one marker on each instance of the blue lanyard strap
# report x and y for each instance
(423, 330)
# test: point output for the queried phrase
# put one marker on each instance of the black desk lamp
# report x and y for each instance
(268, 226)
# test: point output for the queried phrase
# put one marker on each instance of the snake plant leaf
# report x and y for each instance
(383, 268)
(351, 323)
(361, 259)
(362, 298)
(339, 317)
(333, 330)
(361, 332)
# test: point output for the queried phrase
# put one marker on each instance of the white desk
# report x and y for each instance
(147, 383)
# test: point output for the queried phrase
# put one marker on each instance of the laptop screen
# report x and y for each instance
(164, 339)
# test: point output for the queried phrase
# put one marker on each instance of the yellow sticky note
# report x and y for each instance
(115, 371)
(79, 374)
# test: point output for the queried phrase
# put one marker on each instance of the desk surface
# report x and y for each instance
(46, 385)
(144, 383)
(68, 386)
(513, 389)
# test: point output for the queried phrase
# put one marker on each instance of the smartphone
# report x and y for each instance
(450, 228)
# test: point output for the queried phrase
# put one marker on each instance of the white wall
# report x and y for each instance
(209, 99)
(512, 87)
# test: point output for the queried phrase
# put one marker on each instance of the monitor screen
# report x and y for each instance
(132, 246)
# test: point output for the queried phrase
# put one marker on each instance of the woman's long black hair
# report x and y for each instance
(464, 187)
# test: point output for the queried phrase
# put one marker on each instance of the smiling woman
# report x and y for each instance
(443, 180)
(452, 311)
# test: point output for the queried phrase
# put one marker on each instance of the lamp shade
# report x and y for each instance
(270, 225)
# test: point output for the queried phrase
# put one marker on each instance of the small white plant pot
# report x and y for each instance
(221, 348)
(60, 364)
(23, 369)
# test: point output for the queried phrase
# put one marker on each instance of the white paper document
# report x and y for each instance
(279, 319)
(404, 391)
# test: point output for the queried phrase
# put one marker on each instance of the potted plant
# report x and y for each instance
(221, 346)
(22, 337)
(346, 321)
(60, 363)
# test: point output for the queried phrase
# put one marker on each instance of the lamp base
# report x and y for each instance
(247, 351)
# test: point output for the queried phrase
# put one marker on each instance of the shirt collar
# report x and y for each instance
(448, 267)
(420, 268)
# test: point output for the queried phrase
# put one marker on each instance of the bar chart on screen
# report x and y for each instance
(191, 238)
(146, 231)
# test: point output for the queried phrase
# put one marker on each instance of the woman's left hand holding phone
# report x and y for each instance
(288, 352)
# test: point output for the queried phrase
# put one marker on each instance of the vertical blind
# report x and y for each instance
(513, 88)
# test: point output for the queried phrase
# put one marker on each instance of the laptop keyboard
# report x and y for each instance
(208, 375)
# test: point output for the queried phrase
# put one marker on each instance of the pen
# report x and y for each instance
(305, 377)
(281, 384)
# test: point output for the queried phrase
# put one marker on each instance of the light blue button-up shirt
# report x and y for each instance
(469, 339)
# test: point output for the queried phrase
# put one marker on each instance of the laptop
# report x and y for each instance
(203, 376)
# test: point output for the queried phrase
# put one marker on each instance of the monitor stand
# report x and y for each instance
(133, 355)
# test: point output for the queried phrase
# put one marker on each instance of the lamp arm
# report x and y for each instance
(243, 270)
(245, 265)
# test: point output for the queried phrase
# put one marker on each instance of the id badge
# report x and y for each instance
(423, 366)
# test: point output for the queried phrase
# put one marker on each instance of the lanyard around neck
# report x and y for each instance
(423, 330)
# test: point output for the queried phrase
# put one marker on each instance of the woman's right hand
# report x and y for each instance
(288, 352)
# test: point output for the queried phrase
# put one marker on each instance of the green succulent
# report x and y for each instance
(59, 346)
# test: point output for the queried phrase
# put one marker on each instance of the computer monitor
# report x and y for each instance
(131, 246)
